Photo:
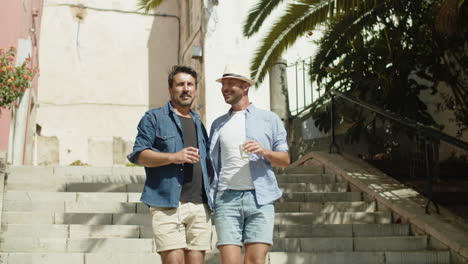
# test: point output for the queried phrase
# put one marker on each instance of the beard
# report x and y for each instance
(233, 99)
(182, 102)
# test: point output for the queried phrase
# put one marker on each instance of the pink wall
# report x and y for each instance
(16, 22)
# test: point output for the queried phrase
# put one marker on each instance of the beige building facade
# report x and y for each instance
(104, 63)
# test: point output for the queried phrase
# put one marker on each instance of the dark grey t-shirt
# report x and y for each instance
(192, 190)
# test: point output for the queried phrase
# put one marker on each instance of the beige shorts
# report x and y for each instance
(188, 227)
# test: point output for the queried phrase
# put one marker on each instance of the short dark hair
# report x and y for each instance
(178, 69)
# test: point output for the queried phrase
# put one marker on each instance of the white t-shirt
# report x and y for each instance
(235, 170)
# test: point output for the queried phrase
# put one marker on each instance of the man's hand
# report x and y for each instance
(254, 147)
(277, 159)
(186, 155)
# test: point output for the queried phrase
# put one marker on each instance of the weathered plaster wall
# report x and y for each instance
(102, 69)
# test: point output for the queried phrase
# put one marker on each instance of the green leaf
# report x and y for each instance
(298, 19)
(257, 16)
(460, 3)
(148, 5)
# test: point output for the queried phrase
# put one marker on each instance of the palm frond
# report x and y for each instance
(342, 30)
(148, 5)
(257, 16)
(460, 3)
(359, 6)
(448, 19)
(298, 19)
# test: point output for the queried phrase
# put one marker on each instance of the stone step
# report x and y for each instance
(84, 258)
(306, 178)
(129, 179)
(78, 178)
(74, 207)
(75, 218)
(41, 171)
(342, 230)
(321, 197)
(77, 245)
(304, 170)
(71, 196)
(118, 207)
(317, 244)
(123, 197)
(46, 186)
(313, 187)
(140, 231)
(324, 207)
(145, 219)
(146, 245)
(54, 186)
(65, 171)
(76, 231)
(416, 257)
(333, 218)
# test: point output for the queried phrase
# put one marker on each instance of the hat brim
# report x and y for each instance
(251, 82)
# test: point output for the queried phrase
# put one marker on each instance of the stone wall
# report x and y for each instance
(102, 151)
(305, 137)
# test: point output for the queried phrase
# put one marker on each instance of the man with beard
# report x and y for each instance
(245, 144)
(171, 145)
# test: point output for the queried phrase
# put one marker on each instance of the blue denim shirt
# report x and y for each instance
(266, 128)
(160, 130)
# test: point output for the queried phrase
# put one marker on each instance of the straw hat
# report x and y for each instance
(237, 71)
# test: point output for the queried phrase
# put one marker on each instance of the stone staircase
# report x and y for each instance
(91, 215)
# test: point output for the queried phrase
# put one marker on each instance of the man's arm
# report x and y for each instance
(151, 158)
(146, 155)
(276, 158)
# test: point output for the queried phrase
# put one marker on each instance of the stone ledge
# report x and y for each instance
(401, 199)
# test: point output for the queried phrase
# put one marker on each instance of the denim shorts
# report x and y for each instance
(240, 220)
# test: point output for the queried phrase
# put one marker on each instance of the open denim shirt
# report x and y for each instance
(266, 128)
(160, 130)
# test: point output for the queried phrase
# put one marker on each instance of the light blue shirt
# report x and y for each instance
(266, 128)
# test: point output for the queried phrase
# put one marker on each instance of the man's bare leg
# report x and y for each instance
(230, 254)
(174, 256)
(255, 253)
(194, 256)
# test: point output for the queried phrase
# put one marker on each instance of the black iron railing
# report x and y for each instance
(424, 132)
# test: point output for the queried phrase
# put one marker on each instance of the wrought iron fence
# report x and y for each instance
(302, 92)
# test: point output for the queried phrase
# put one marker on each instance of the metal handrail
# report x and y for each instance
(425, 131)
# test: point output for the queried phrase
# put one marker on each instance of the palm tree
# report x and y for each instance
(346, 23)
(303, 16)
(148, 5)
(376, 57)
(300, 17)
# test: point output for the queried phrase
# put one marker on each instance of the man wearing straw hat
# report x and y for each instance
(245, 143)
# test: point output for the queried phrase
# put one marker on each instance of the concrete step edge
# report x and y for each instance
(142, 231)
(139, 207)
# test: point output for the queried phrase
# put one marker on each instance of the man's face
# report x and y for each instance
(183, 89)
(233, 90)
